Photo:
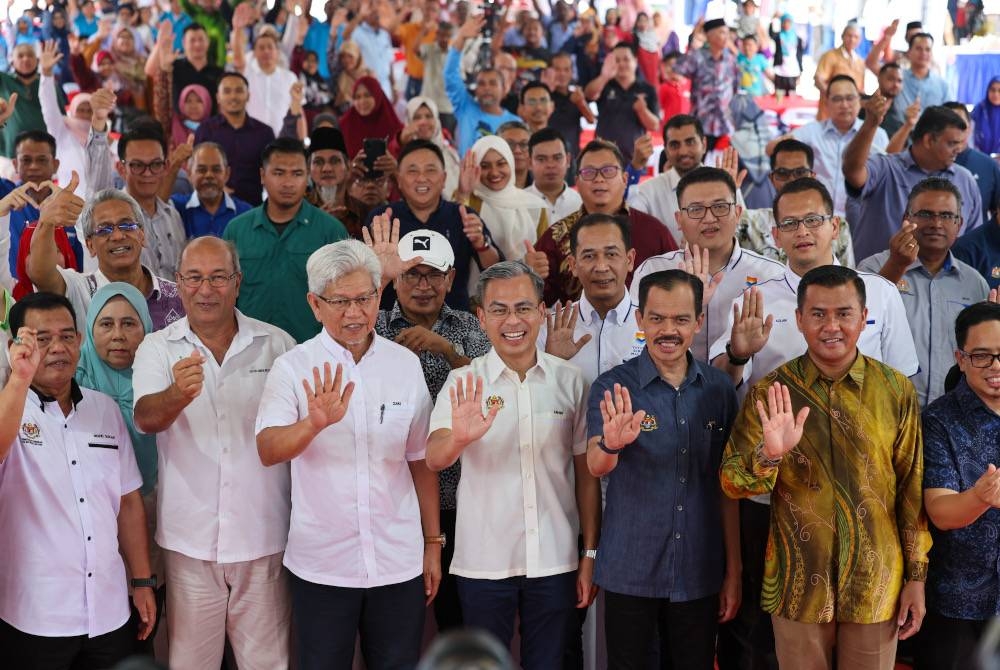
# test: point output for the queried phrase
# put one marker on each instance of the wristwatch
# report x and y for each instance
(150, 582)
(588, 553)
(603, 446)
(733, 359)
(441, 539)
(458, 349)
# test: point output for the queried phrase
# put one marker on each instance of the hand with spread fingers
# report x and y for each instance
(559, 331)
(730, 162)
(782, 427)
(383, 239)
(327, 404)
(621, 424)
(696, 262)
(750, 329)
(468, 423)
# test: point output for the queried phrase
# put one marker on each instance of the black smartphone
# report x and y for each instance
(374, 147)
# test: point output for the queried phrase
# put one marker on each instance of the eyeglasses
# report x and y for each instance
(837, 99)
(517, 146)
(501, 312)
(784, 174)
(927, 216)
(341, 305)
(215, 281)
(536, 102)
(980, 359)
(153, 167)
(812, 221)
(433, 279)
(123, 227)
(606, 171)
(697, 212)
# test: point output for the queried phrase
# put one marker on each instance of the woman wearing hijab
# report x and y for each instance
(194, 105)
(424, 123)
(127, 70)
(117, 321)
(513, 215)
(986, 119)
(370, 116)
(55, 27)
(787, 57)
(349, 69)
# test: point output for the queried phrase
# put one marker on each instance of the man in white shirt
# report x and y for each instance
(70, 507)
(685, 146)
(222, 518)
(525, 493)
(364, 543)
(549, 160)
(707, 217)
(752, 345)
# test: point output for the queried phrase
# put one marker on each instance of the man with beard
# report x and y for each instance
(21, 87)
(327, 168)
(209, 209)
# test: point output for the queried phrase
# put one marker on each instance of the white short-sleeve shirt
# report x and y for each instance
(216, 500)
(566, 203)
(744, 269)
(60, 492)
(355, 519)
(517, 512)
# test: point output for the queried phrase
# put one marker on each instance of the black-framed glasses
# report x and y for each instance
(606, 171)
(927, 216)
(434, 279)
(152, 167)
(784, 174)
(790, 225)
(341, 305)
(718, 209)
(123, 227)
(215, 281)
(980, 359)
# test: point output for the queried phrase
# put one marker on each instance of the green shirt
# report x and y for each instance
(27, 111)
(274, 266)
(847, 518)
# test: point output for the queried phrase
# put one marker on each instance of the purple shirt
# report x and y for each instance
(713, 85)
(243, 147)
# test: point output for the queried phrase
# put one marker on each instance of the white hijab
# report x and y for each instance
(452, 164)
(511, 214)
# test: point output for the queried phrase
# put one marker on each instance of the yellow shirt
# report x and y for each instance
(847, 519)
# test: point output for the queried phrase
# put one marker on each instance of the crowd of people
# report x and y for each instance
(297, 353)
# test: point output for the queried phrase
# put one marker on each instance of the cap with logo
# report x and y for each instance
(433, 247)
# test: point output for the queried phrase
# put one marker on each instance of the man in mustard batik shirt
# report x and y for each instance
(847, 553)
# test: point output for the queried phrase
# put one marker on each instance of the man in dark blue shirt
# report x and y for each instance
(421, 179)
(962, 497)
(209, 209)
(669, 557)
(983, 168)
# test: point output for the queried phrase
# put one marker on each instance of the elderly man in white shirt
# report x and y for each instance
(707, 216)
(526, 493)
(222, 517)
(70, 507)
(349, 410)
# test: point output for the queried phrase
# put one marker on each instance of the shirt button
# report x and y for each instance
(90, 574)
(683, 421)
(88, 538)
(683, 480)
(684, 450)
(73, 462)
(81, 499)
(680, 508)
(677, 536)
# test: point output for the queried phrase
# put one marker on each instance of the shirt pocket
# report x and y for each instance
(393, 424)
(708, 450)
(555, 427)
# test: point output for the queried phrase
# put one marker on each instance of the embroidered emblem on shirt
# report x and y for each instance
(996, 272)
(648, 423)
(494, 401)
(903, 286)
(637, 345)
(751, 281)
(30, 432)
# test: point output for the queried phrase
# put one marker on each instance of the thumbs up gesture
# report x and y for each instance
(536, 260)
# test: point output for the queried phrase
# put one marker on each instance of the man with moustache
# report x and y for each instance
(328, 169)
(209, 209)
(19, 88)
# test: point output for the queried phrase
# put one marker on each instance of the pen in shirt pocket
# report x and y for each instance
(381, 413)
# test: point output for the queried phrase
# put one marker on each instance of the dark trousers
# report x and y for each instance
(413, 87)
(747, 642)
(947, 644)
(35, 652)
(447, 607)
(326, 620)
(686, 630)
(546, 606)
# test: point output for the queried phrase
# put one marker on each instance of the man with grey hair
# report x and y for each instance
(209, 209)
(222, 517)
(349, 410)
(525, 494)
(113, 231)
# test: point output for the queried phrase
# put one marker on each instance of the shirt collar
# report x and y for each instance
(301, 216)
(909, 162)
(829, 127)
(949, 265)
(588, 313)
(794, 279)
(856, 372)
(495, 366)
(194, 202)
(648, 372)
(75, 395)
(154, 294)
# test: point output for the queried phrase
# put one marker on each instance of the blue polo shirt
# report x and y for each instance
(962, 437)
(447, 220)
(199, 221)
(986, 172)
(473, 122)
(661, 536)
(981, 250)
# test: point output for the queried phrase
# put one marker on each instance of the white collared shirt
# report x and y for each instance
(829, 144)
(517, 512)
(613, 340)
(217, 502)
(194, 202)
(744, 269)
(355, 519)
(886, 335)
(566, 203)
(60, 492)
(658, 197)
(270, 94)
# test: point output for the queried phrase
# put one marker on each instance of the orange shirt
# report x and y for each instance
(408, 34)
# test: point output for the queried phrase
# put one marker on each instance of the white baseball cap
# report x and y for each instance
(433, 247)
